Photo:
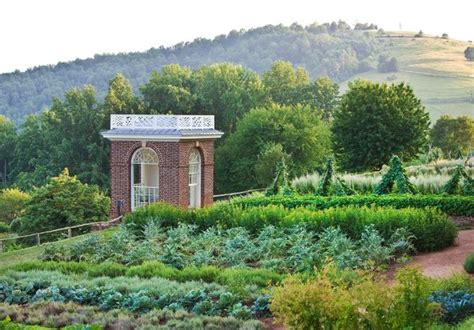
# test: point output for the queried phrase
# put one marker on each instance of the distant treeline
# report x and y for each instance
(330, 49)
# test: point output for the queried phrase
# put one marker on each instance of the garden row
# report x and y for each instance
(432, 230)
(56, 315)
(130, 294)
(282, 250)
(331, 298)
(451, 205)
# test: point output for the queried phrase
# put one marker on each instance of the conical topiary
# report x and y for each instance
(396, 174)
(451, 187)
(280, 184)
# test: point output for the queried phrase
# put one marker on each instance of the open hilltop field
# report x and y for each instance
(434, 67)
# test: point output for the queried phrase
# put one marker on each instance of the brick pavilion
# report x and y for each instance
(167, 158)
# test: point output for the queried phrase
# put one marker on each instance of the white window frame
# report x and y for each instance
(141, 195)
(194, 178)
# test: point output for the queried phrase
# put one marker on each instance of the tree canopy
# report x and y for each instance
(376, 121)
(299, 131)
(453, 135)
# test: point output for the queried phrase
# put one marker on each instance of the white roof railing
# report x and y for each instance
(161, 122)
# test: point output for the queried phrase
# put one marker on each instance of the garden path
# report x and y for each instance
(444, 263)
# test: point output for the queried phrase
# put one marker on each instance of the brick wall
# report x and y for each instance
(173, 168)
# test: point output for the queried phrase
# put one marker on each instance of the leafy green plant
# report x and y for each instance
(63, 202)
(12, 204)
(395, 175)
(469, 263)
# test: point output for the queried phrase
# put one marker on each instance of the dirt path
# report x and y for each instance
(444, 263)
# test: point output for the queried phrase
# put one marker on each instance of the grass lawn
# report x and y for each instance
(435, 68)
(12, 258)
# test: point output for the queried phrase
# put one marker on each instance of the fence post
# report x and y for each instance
(38, 241)
(69, 232)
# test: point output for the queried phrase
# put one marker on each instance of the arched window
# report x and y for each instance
(145, 177)
(195, 179)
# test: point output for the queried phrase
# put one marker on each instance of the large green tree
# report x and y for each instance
(66, 135)
(376, 121)
(170, 91)
(227, 91)
(7, 147)
(294, 132)
(454, 135)
(286, 85)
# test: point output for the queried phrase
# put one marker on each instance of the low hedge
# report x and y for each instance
(432, 228)
(452, 205)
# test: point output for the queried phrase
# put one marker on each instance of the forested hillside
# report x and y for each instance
(333, 49)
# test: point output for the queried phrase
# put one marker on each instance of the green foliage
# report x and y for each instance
(280, 184)
(452, 205)
(329, 300)
(65, 135)
(7, 148)
(453, 135)
(325, 184)
(121, 292)
(431, 228)
(4, 228)
(375, 121)
(12, 203)
(469, 263)
(452, 186)
(62, 202)
(387, 65)
(469, 53)
(268, 160)
(297, 129)
(395, 175)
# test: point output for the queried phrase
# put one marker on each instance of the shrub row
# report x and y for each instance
(128, 293)
(70, 316)
(232, 277)
(452, 205)
(432, 229)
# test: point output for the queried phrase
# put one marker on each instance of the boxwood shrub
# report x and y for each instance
(452, 205)
(432, 228)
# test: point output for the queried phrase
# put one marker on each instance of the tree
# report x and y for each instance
(419, 34)
(286, 85)
(324, 96)
(298, 129)
(445, 36)
(387, 65)
(227, 91)
(469, 53)
(454, 135)
(7, 147)
(376, 121)
(120, 98)
(12, 203)
(66, 135)
(64, 201)
(170, 91)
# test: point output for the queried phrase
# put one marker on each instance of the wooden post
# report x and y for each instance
(69, 232)
(38, 241)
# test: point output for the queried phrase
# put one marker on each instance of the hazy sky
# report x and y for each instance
(37, 32)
